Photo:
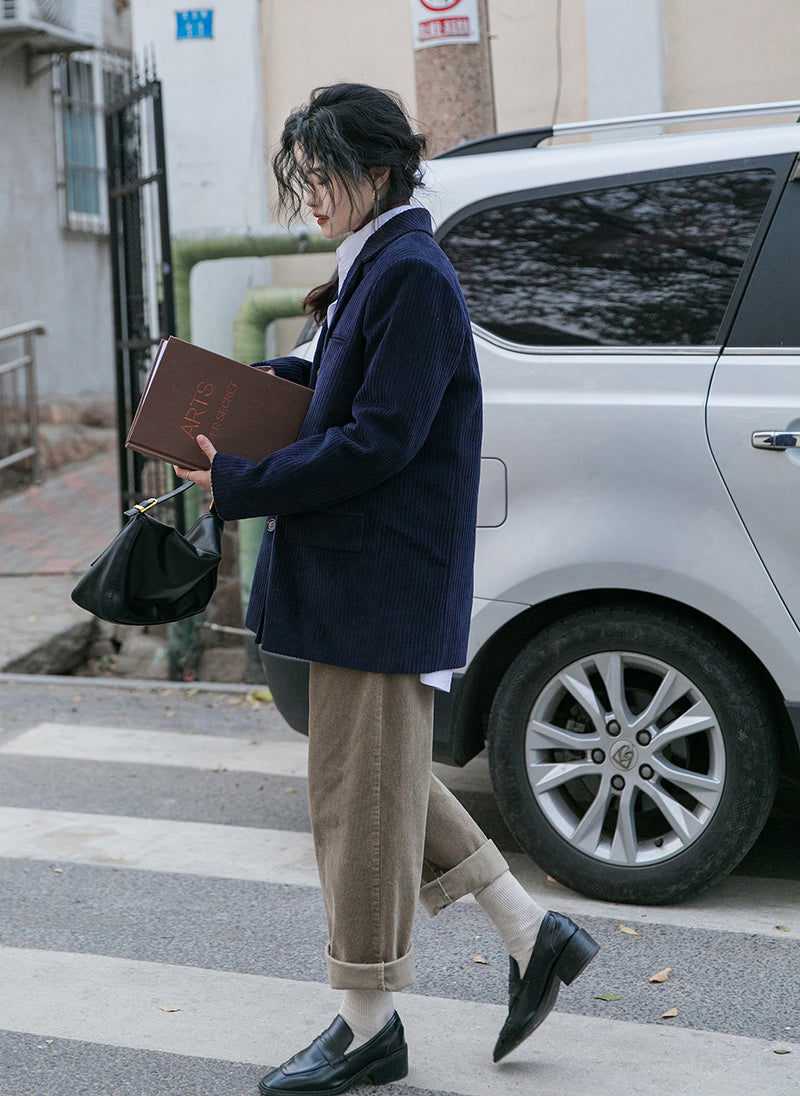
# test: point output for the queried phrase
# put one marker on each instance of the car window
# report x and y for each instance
(642, 264)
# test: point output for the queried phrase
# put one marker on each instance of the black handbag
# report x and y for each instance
(151, 573)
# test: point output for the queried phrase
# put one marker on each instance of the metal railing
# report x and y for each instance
(19, 414)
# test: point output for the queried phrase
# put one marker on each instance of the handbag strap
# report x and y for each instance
(147, 504)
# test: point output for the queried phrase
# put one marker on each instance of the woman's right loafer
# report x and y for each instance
(562, 951)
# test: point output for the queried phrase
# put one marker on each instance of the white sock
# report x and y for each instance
(366, 1011)
(515, 914)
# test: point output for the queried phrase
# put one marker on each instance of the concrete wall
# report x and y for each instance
(539, 62)
(214, 125)
(48, 273)
(718, 52)
(308, 43)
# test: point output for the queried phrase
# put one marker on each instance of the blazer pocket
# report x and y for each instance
(338, 530)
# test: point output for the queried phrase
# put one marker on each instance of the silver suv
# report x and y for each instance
(634, 661)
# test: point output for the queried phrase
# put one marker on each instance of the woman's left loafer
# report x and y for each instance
(324, 1068)
(562, 951)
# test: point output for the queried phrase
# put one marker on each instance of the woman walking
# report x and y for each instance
(366, 571)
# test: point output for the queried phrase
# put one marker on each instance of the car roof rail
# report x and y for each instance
(532, 138)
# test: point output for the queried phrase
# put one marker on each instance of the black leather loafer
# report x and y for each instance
(562, 951)
(324, 1067)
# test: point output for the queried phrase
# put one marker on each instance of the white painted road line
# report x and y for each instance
(76, 742)
(148, 844)
(191, 751)
(737, 904)
(262, 1020)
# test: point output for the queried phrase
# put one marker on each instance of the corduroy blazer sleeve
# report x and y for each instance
(290, 368)
(414, 328)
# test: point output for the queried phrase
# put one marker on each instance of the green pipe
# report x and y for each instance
(188, 251)
(261, 307)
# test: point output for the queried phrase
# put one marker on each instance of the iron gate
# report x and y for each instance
(144, 310)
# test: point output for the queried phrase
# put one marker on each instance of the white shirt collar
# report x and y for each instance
(348, 250)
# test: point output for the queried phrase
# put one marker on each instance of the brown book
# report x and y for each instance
(191, 391)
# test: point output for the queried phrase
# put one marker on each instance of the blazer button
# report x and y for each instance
(271, 525)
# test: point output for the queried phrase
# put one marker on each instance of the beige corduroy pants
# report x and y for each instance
(386, 831)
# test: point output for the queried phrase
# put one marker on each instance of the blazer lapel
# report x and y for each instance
(413, 220)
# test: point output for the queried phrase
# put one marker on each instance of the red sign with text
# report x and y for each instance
(444, 22)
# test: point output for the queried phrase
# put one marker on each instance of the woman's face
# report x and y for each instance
(336, 211)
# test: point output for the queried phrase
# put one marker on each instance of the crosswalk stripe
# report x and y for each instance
(148, 844)
(261, 1020)
(78, 742)
(137, 747)
(736, 904)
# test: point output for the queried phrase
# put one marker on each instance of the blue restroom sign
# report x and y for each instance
(196, 23)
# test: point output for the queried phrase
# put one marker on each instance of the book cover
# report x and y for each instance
(191, 391)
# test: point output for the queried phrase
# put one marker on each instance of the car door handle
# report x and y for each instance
(774, 439)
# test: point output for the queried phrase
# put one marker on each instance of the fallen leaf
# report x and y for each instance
(662, 975)
(118, 856)
(630, 932)
(77, 699)
(607, 997)
(288, 791)
(480, 959)
(263, 695)
(169, 714)
(781, 1050)
(192, 692)
(669, 1014)
(169, 1008)
(550, 879)
(782, 928)
(58, 871)
(49, 1042)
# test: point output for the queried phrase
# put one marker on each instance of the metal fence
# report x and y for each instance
(141, 263)
(19, 420)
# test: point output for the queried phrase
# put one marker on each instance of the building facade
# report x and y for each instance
(227, 92)
(55, 264)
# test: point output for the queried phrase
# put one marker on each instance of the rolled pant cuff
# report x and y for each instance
(479, 869)
(395, 975)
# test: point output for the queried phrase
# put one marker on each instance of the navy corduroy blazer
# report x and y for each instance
(367, 558)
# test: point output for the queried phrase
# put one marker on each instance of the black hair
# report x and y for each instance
(343, 132)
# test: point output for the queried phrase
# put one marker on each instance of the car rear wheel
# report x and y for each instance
(632, 755)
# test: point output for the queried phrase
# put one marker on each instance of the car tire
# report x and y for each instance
(632, 754)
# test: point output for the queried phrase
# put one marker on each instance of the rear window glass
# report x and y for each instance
(651, 263)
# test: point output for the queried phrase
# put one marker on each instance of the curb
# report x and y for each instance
(59, 654)
(127, 683)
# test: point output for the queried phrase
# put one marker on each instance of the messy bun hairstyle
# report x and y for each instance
(343, 132)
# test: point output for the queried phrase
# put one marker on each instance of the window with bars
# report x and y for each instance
(79, 117)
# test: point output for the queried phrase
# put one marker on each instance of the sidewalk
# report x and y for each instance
(49, 534)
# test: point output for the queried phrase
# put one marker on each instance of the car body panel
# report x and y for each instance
(760, 392)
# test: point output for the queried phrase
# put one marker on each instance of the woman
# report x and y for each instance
(366, 571)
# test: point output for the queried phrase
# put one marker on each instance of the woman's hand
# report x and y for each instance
(202, 479)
